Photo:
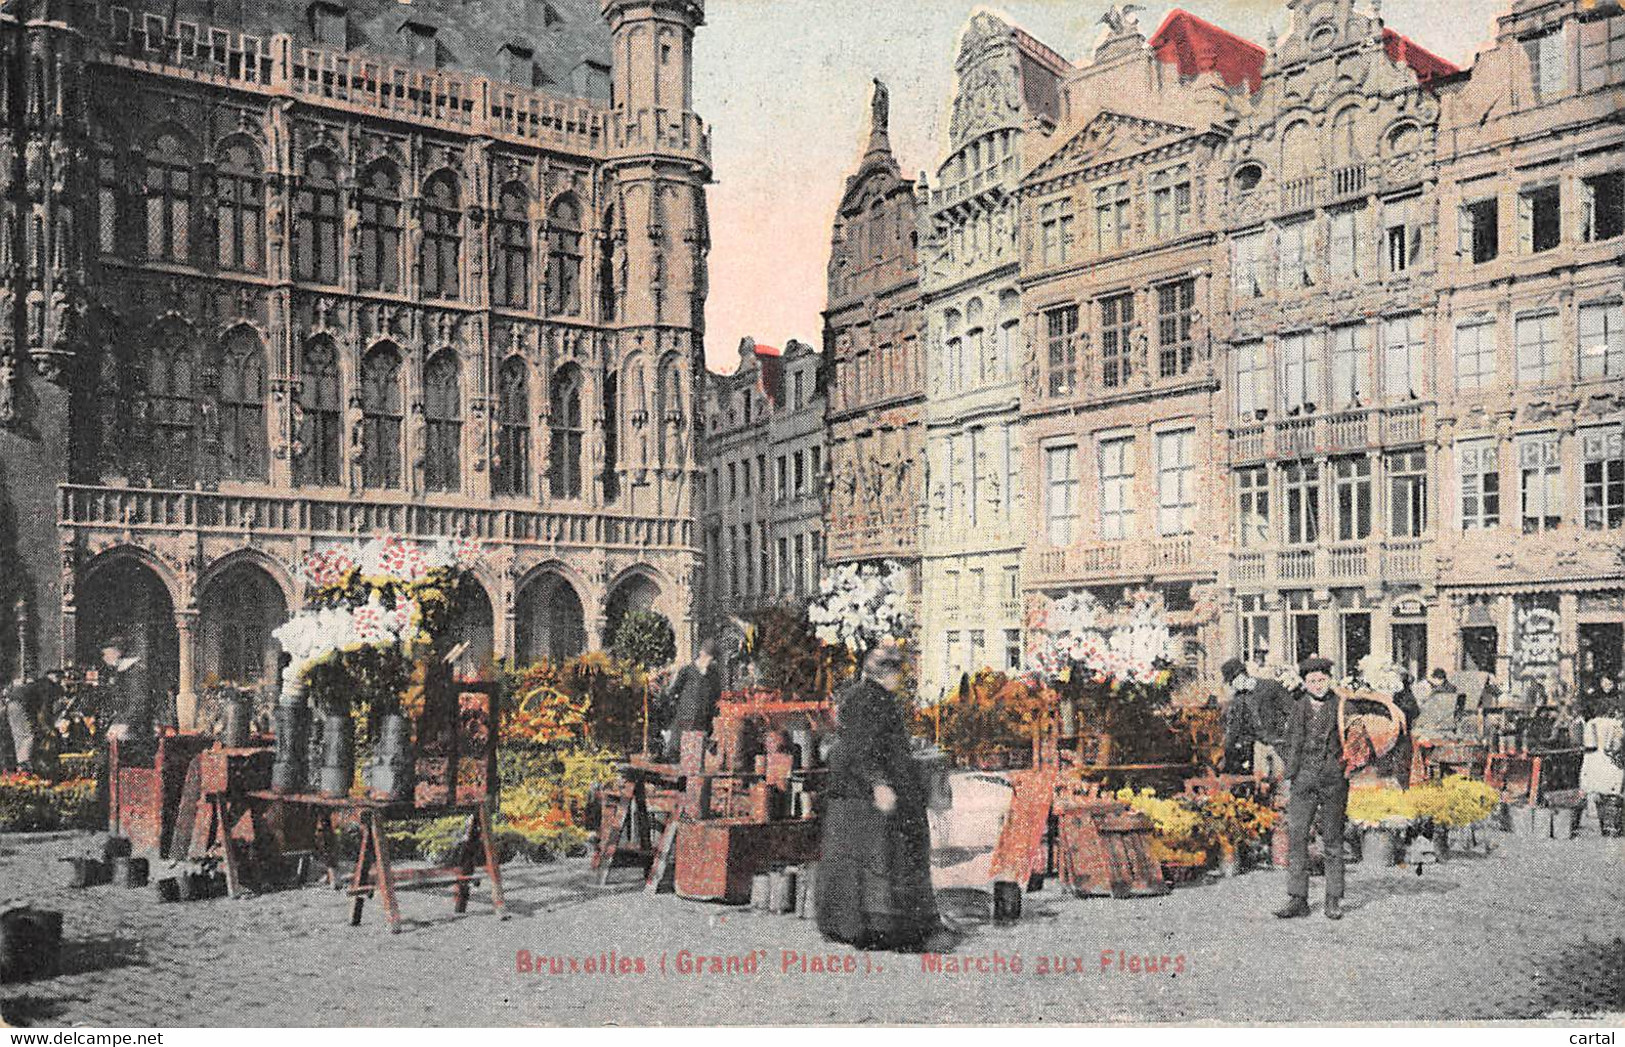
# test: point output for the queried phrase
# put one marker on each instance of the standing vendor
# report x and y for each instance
(1255, 722)
(30, 706)
(694, 694)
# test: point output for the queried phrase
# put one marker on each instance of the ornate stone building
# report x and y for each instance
(873, 324)
(1328, 201)
(1123, 269)
(1008, 93)
(1530, 368)
(273, 274)
(765, 461)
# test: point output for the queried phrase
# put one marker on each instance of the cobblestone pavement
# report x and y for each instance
(1531, 930)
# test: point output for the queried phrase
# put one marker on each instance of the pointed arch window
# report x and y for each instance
(240, 210)
(169, 200)
(564, 257)
(319, 452)
(442, 237)
(442, 410)
(564, 463)
(316, 232)
(242, 407)
(512, 470)
(510, 262)
(381, 418)
(381, 229)
(169, 373)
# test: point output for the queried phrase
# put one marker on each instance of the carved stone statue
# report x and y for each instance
(1120, 18)
(880, 108)
(8, 391)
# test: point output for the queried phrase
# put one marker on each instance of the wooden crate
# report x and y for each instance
(1105, 849)
(717, 859)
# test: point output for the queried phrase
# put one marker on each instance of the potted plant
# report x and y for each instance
(1456, 803)
(1382, 814)
(1234, 823)
(1177, 838)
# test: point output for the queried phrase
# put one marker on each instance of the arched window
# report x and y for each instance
(319, 452)
(242, 407)
(564, 463)
(1343, 148)
(240, 209)
(510, 262)
(442, 410)
(442, 237)
(671, 404)
(1298, 156)
(512, 469)
(169, 200)
(169, 372)
(381, 418)
(381, 229)
(564, 257)
(606, 269)
(316, 232)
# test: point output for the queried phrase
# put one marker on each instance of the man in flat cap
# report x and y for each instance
(1318, 774)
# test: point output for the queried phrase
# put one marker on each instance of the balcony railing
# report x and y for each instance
(1356, 429)
(1106, 560)
(1390, 560)
(141, 509)
(376, 84)
(1348, 180)
(1298, 193)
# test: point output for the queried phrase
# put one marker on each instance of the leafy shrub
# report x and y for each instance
(1455, 802)
(645, 639)
(986, 713)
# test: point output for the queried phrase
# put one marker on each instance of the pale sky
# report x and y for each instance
(785, 87)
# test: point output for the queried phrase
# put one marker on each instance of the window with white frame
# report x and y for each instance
(1478, 232)
(1540, 483)
(1253, 505)
(1176, 310)
(1351, 365)
(1602, 52)
(1061, 328)
(1176, 482)
(1344, 260)
(1112, 216)
(1537, 337)
(1351, 498)
(1254, 624)
(1602, 452)
(1012, 649)
(1252, 380)
(1602, 340)
(1116, 487)
(1061, 493)
(1170, 201)
(1055, 221)
(1247, 259)
(1548, 63)
(1475, 354)
(1478, 464)
(1403, 357)
(1300, 488)
(1402, 234)
(1540, 218)
(1116, 328)
(1407, 493)
(1602, 206)
(1300, 370)
(1292, 256)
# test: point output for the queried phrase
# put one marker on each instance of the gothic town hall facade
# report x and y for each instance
(275, 273)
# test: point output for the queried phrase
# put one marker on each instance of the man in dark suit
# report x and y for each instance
(124, 707)
(694, 692)
(1258, 714)
(1316, 769)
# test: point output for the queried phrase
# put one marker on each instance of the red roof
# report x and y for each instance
(771, 366)
(1197, 46)
(1425, 63)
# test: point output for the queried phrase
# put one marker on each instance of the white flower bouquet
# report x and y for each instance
(1069, 639)
(859, 606)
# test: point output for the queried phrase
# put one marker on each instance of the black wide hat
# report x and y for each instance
(1231, 669)
(1314, 664)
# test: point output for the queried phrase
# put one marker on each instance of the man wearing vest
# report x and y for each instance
(1316, 768)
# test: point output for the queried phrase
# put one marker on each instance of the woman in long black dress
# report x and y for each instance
(874, 877)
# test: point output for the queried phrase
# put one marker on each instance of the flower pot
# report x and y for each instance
(390, 774)
(338, 755)
(1610, 814)
(130, 872)
(168, 888)
(88, 872)
(1006, 901)
(1377, 847)
(292, 734)
(30, 944)
(116, 847)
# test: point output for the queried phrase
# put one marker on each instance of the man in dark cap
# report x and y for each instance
(1255, 721)
(124, 707)
(1318, 774)
(694, 694)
